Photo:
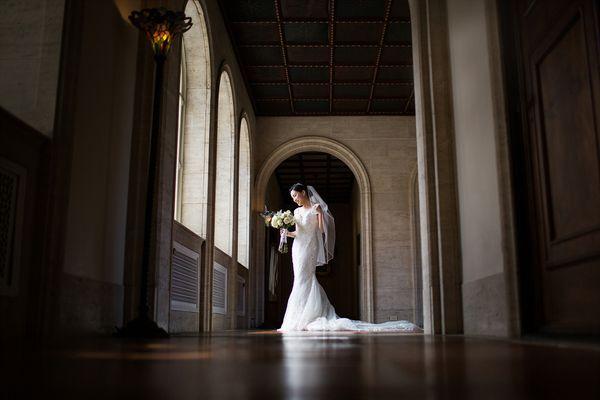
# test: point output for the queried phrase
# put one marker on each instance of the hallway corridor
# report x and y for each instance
(451, 146)
(265, 365)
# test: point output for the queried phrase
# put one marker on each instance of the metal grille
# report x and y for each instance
(219, 289)
(12, 192)
(185, 280)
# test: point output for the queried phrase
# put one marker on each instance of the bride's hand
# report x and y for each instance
(317, 208)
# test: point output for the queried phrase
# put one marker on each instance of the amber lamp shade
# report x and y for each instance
(161, 39)
(161, 26)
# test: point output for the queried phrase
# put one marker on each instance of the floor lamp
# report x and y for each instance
(161, 27)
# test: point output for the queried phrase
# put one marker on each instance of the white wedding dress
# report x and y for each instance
(308, 307)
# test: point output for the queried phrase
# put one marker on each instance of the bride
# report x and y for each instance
(308, 307)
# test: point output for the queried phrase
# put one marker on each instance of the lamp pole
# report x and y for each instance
(161, 26)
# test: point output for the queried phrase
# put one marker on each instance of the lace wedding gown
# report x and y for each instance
(308, 307)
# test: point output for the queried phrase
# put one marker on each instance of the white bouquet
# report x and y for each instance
(282, 220)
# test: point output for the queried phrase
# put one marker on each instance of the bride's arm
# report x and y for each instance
(319, 216)
(292, 234)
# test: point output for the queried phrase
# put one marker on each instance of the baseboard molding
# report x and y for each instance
(183, 322)
(88, 306)
(484, 306)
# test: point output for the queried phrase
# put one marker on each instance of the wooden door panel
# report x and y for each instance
(559, 46)
(571, 299)
(568, 145)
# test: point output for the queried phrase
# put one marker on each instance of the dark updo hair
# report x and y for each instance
(298, 187)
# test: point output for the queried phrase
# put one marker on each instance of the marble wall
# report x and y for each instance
(31, 32)
(92, 291)
(478, 125)
(387, 148)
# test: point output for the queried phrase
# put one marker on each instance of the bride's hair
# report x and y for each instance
(298, 187)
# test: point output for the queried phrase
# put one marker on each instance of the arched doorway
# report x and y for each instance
(363, 193)
(332, 178)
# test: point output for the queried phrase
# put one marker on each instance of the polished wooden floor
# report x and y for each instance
(265, 365)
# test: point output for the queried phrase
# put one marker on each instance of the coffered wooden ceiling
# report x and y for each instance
(329, 176)
(324, 57)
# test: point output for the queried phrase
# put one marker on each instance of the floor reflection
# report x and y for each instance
(308, 360)
(306, 365)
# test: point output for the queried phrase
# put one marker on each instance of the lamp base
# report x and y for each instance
(143, 328)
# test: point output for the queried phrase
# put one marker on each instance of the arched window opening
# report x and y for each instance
(224, 172)
(180, 137)
(244, 196)
(191, 196)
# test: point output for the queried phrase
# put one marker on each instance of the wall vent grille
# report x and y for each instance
(219, 288)
(185, 279)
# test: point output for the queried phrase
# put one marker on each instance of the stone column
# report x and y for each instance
(440, 247)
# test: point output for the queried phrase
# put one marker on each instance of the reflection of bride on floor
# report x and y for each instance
(308, 307)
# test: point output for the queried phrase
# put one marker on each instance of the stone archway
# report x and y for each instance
(325, 145)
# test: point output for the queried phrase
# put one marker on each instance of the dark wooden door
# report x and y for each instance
(560, 92)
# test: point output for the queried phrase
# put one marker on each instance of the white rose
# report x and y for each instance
(275, 222)
(287, 220)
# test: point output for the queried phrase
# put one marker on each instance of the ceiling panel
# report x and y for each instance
(324, 57)
(360, 9)
(261, 55)
(302, 9)
(266, 107)
(306, 33)
(310, 91)
(257, 34)
(330, 176)
(318, 74)
(394, 74)
(398, 32)
(353, 74)
(366, 33)
(270, 91)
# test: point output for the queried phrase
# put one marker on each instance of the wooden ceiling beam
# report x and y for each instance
(322, 46)
(340, 113)
(336, 99)
(321, 65)
(357, 83)
(331, 50)
(388, 7)
(283, 52)
(322, 21)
